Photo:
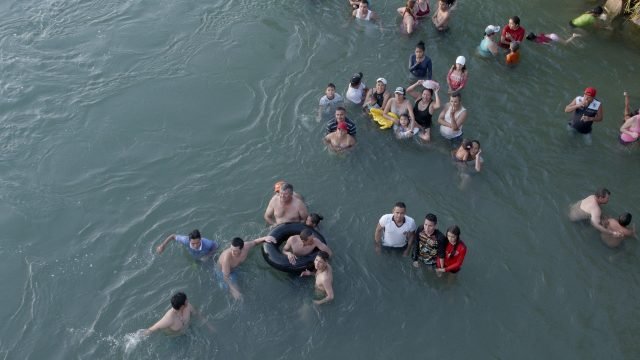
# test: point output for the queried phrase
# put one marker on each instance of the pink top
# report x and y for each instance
(456, 80)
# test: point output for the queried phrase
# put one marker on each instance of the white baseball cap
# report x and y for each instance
(382, 80)
(461, 60)
(492, 29)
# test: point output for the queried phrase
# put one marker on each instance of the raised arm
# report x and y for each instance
(572, 106)
(436, 104)
(164, 244)
(411, 90)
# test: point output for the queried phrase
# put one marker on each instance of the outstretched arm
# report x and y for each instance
(163, 323)
(164, 244)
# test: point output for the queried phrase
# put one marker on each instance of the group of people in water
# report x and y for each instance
(426, 245)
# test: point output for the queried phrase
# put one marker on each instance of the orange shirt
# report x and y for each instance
(513, 58)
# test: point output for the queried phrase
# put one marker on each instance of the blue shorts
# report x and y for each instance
(233, 277)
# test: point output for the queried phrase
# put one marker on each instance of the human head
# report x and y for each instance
(236, 246)
(321, 260)
(286, 192)
(475, 147)
(364, 4)
(341, 114)
(399, 91)
(514, 46)
(342, 126)
(455, 99)
(598, 10)
(195, 239)
(461, 60)
(466, 144)
(491, 29)
(430, 223)
(532, 36)
(404, 120)
(590, 91)
(399, 210)
(514, 22)
(419, 49)
(277, 185)
(356, 79)
(178, 300)
(330, 91)
(313, 220)
(453, 234)
(624, 219)
(411, 4)
(602, 195)
(306, 235)
(427, 94)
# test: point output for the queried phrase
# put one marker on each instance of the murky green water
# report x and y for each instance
(123, 122)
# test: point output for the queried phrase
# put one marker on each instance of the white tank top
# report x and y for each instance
(448, 132)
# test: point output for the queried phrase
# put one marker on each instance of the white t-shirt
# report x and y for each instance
(394, 236)
(355, 95)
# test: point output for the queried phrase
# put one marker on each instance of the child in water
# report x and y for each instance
(543, 38)
(513, 57)
(589, 18)
(356, 90)
(403, 130)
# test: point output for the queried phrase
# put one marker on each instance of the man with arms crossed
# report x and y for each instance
(396, 230)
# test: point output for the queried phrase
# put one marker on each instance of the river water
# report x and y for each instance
(123, 122)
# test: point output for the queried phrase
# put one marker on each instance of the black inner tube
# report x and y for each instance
(274, 256)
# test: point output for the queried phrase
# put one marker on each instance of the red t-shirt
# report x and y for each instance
(453, 262)
(517, 34)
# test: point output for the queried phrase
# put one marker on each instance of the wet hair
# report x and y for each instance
(323, 255)
(178, 300)
(195, 234)
(532, 36)
(400, 204)
(602, 192)
(331, 85)
(430, 91)
(286, 187)
(598, 10)
(341, 108)
(315, 218)
(431, 217)
(237, 242)
(625, 219)
(458, 95)
(516, 20)
(305, 233)
(420, 45)
(364, 2)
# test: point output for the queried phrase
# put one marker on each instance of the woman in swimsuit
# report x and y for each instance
(422, 8)
(424, 108)
(408, 18)
(488, 46)
(457, 76)
(630, 129)
(399, 105)
(468, 151)
(377, 97)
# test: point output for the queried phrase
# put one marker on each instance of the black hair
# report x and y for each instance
(178, 300)
(598, 10)
(602, 192)
(364, 2)
(457, 94)
(625, 219)
(315, 218)
(516, 20)
(475, 141)
(323, 255)
(331, 85)
(341, 108)
(195, 234)
(237, 242)
(286, 187)
(400, 204)
(431, 217)
(466, 144)
(455, 230)
(420, 45)
(531, 36)
(305, 233)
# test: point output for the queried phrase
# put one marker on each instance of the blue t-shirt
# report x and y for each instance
(206, 246)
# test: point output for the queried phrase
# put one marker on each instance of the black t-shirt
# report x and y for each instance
(423, 250)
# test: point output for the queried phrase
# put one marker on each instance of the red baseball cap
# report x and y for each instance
(343, 125)
(590, 91)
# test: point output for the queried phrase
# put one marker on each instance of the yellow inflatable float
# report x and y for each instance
(380, 119)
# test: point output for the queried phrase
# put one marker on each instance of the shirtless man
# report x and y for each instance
(177, 318)
(441, 17)
(340, 140)
(302, 245)
(324, 277)
(620, 225)
(285, 207)
(232, 257)
(589, 209)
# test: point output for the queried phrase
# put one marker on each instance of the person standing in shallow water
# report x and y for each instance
(513, 32)
(589, 209)
(285, 207)
(454, 253)
(324, 277)
(395, 230)
(430, 244)
(176, 319)
(419, 63)
(586, 111)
